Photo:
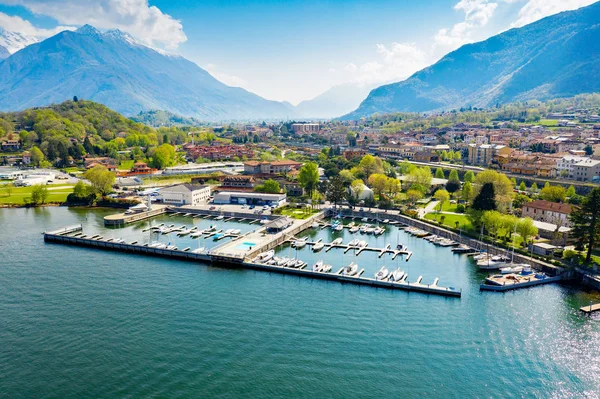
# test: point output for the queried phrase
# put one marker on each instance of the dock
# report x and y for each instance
(359, 250)
(67, 237)
(591, 308)
(508, 286)
(121, 219)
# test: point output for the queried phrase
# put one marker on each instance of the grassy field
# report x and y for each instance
(450, 220)
(19, 195)
(126, 165)
(298, 213)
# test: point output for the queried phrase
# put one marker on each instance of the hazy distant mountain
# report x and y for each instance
(558, 56)
(114, 69)
(336, 101)
(11, 42)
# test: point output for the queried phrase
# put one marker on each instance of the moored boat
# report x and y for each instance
(350, 270)
(382, 273)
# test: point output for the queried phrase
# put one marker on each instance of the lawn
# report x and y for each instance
(56, 193)
(126, 165)
(297, 213)
(450, 220)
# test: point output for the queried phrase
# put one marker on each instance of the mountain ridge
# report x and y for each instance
(557, 56)
(114, 69)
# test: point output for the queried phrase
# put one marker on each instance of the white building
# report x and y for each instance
(185, 194)
(565, 167)
(205, 168)
(363, 194)
(243, 198)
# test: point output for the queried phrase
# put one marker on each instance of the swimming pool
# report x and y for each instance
(246, 245)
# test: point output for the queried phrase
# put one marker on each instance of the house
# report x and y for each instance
(426, 156)
(239, 181)
(109, 163)
(271, 168)
(549, 212)
(588, 170)
(351, 153)
(11, 145)
(26, 157)
(185, 194)
(305, 128)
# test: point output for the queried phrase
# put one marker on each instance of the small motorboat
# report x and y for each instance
(364, 220)
(337, 241)
(397, 275)
(220, 217)
(318, 246)
(266, 256)
(317, 266)
(172, 247)
(400, 247)
(511, 269)
(350, 270)
(354, 242)
(300, 243)
(315, 225)
(386, 221)
(198, 250)
(339, 227)
(362, 244)
(382, 273)
(351, 224)
(461, 249)
(354, 229)
(325, 269)
(378, 231)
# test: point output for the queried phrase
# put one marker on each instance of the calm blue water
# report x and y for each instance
(78, 322)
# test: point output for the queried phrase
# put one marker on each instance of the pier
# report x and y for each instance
(121, 219)
(591, 308)
(507, 285)
(359, 250)
(69, 236)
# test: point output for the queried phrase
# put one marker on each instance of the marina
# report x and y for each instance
(141, 298)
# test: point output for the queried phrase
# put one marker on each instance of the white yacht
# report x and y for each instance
(350, 270)
(266, 256)
(362, 244)
(300, 243)
(354, 242)
(337, 241)
(317, 266)
(397, 275)
(354, 229)
(325, 269)
(382, 273)
(318, 246)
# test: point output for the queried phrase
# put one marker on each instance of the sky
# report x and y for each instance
(291, 50)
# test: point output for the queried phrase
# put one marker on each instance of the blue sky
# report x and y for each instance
(291, 50)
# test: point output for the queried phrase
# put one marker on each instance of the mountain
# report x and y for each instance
(336, 101)
(114, 69)
(11, 42)
(3, 53)
(558, 56)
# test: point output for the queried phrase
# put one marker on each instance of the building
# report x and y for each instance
(565, 167)
(108, 163)
(364, 193)
(484, 154)
(351, 153)
(11, 145)
(426, 156)
(549, 212)
(271, 168)
(26, 157)
(588, 170)
(246, 198)
(239, 182)
(305, 128)
(205, 168)
(185, 194)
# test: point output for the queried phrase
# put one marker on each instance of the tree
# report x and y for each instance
(503, 188)
(453, 184)
(75, 99)
(336, 190)
(101, 179)
(491, 221)
(392, 187)
(553, 194)
(308, 177)
(413, 196)
(377, 182)
(453, 175)
(513, 181)
(370, 165)
(589, 150)
(570, 192)
(484, 201)
(163, 156)
(586, 222)
(508, 223)
(534, 188)
(442, 196)
(439, 173)
(405, 167)
(467, 191)
(526, 229)
(8, 189)
(421, 177)
(270, 186)
(469, 177)
(39, 194)
(522, 186)
(346, 176)
(37, 156)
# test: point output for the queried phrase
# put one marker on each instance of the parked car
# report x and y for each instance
(252, 207)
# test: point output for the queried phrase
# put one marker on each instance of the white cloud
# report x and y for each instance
(24, 27)
(230, 80)
(395, 62)
(538, 9)
(136, 17)
(477, 15)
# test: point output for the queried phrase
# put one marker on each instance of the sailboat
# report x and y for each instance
(382, 273)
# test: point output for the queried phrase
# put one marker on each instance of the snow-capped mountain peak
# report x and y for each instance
(13, 41)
